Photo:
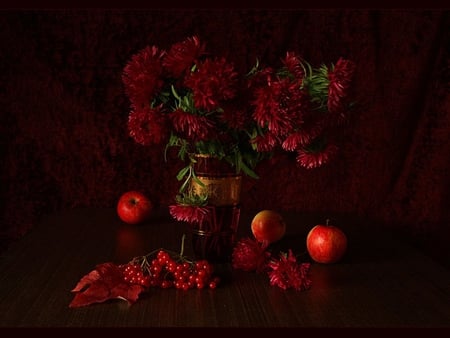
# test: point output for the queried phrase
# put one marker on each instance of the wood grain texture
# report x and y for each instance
(381, 282)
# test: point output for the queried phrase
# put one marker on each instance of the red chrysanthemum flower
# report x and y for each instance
(312, 159)
(280, 106)
(212, 82)
(148, 125)
(340, 79)
(250, 255)
(143, 76)
(182, 56)
(235, 116)
(288, 273)
(303, 136)
(262, 78)
(266, 142)
(296, 140)
(189, 213)
(191, 126)
(294, 65)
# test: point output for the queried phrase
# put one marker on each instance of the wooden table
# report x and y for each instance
(381, 282)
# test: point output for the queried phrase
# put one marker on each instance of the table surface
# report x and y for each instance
(380, 282)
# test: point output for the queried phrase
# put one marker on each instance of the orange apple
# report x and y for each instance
(268, 226)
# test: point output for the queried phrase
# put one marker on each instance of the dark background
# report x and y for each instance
(64, 141)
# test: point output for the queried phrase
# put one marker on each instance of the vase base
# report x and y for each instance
(213, 239)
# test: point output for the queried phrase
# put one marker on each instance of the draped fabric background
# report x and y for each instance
(64, 140)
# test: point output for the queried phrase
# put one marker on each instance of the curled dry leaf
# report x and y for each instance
(104, 283)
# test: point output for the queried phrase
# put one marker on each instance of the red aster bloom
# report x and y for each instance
(340, 79)
(266, 142)
(250, 255)
(191, 126)
(313, 159)
(212, 82)
(279, 106)
(303, 136)
(148, 125)
(294, 65)
(296, 140)
(143, 76)
(189, 213)
(288, 273)
(234, 116)
(182, 56)
(262, 78)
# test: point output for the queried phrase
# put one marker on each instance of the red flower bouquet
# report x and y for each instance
(198, 103)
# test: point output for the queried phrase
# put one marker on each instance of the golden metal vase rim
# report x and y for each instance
(221, 191)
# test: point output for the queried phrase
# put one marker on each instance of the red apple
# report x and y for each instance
(268, 226)
(134, 207)
(326, 243)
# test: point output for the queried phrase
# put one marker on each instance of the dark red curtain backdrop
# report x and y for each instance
(64, 141)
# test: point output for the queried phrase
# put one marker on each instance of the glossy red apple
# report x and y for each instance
(326, 243)
(268, 226)
(134, 207)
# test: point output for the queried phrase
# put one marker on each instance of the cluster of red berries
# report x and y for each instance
(167, 270)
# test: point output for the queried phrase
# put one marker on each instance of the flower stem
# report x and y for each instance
(182, 245)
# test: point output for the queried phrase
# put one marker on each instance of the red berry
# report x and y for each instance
(133, 274)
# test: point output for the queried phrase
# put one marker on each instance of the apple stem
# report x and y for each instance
(327, 222)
